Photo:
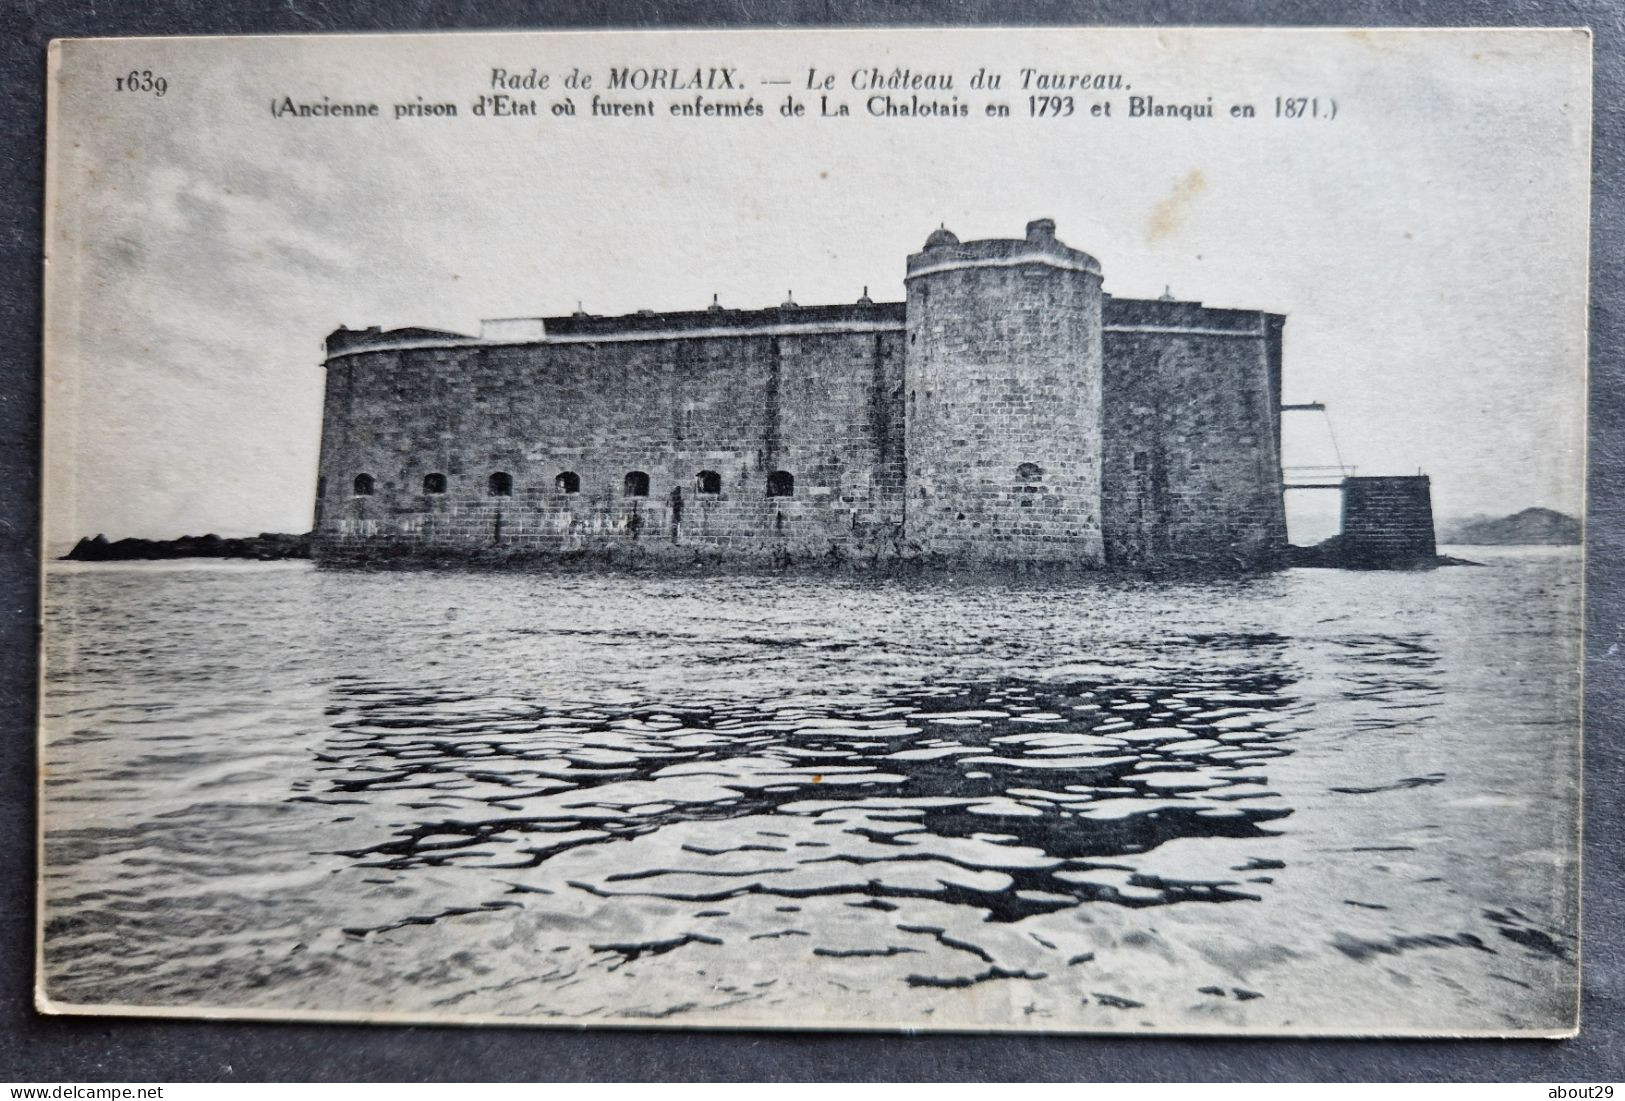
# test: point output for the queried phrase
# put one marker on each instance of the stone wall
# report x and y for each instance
(1003, 401)
(822, 407)
(1388, 521)
(1008, 411)
(1191, 468)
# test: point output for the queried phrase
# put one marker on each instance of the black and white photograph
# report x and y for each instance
(1046, 530)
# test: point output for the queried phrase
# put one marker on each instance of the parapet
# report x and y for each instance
(863, 316)
(343, 341)
(1169, 314)
(945, 252)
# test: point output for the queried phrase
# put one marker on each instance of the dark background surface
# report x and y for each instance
(56, 1050)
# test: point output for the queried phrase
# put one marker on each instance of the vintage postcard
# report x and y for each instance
(1047, 530)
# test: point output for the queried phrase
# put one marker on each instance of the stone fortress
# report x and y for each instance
(1008, 411)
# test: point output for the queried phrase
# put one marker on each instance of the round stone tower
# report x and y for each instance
(1002, 379)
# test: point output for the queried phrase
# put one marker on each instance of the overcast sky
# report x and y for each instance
(1427, 245)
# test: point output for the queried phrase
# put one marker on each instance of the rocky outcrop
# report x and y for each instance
(1531, 527)
(267, 546)
(1341, 553)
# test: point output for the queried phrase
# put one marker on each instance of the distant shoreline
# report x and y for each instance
(1533, 527)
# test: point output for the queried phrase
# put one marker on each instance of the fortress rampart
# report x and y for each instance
(1007, 411)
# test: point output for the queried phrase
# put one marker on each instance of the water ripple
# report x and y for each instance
(1009, 796)
(1308, 801)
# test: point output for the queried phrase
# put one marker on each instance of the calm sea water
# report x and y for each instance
(1315, 801)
